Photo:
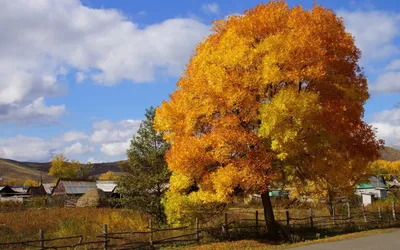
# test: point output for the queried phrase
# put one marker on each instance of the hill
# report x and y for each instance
(390, 154)
(11, 169)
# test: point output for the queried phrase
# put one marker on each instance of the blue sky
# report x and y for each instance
(77, 76)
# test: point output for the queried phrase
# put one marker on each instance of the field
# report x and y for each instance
(22, 224)
(61, 222)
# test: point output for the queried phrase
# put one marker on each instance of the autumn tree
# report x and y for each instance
(84, 170)
(62, 168)
(273, 96)
(385, 168)
(146, 175)
(108, 176)
(31, 183)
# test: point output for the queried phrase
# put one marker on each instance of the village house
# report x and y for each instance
(72, 187)
(376, 189)
(7, 193)
(108, 187)
(37, 191)
(48, 187)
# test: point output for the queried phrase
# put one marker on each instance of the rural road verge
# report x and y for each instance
(384, 241)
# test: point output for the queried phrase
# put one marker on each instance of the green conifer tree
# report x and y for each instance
(146, 175)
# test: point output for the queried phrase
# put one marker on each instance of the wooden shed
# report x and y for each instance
(37, 191)
(72, 187)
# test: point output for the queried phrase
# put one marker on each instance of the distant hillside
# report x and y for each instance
(11, 169)
(390, 154)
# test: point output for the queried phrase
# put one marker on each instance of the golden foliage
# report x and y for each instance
(108, 176)
(31, 183)
(275, 95)
(382, 167)
(62, 168)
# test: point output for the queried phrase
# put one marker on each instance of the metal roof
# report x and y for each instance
(106, 186)
(78, 187)
(20, 189)
(378, 182)
(48, 187)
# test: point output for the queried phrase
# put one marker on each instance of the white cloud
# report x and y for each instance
(74, 136)
(114, 138)
(36, 111)
(78, 149)
(115, 148)
(387, 123)
(25, 148)
(387, 82)
(389, 133)
(394, 65)
(107, 142)
(375, 32)
(212, 8)
(46, 39)
(80, 77)
(106, 131)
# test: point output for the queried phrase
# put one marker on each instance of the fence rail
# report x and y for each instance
(257, 225)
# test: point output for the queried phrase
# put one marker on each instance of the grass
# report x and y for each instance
(61, 222)
(254, 244)
(23, 223)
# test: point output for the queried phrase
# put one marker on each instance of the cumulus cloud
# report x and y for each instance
(25, 148)
(77, 149)
(387, 82)
(394, 65)
(74, 136)
(45, 39)
(80, 77)
(114, 138)
(376, 34)
(108, 141)
(115, 148)
(210, 8)
(374, 31)
(387, 123)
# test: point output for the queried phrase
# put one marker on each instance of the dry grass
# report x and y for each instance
(61, 222)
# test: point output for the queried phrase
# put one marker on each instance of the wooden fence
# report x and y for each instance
(153, 236)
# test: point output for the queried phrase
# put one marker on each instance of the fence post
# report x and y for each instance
(394, 211)
(348, 211)
(105, 232)
(311, 218)
(380, 212)
(364, 215)
(333, 214)
(257, 223)
(151, 233)
(287, 218)
(41, 238)
(226, 225)
(197, 230)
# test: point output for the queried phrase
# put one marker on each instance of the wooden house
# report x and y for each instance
(37, 191)
(72, 187)
(374, 190)
(7, 191)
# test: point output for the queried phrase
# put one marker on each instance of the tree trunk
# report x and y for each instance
(269, 216)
